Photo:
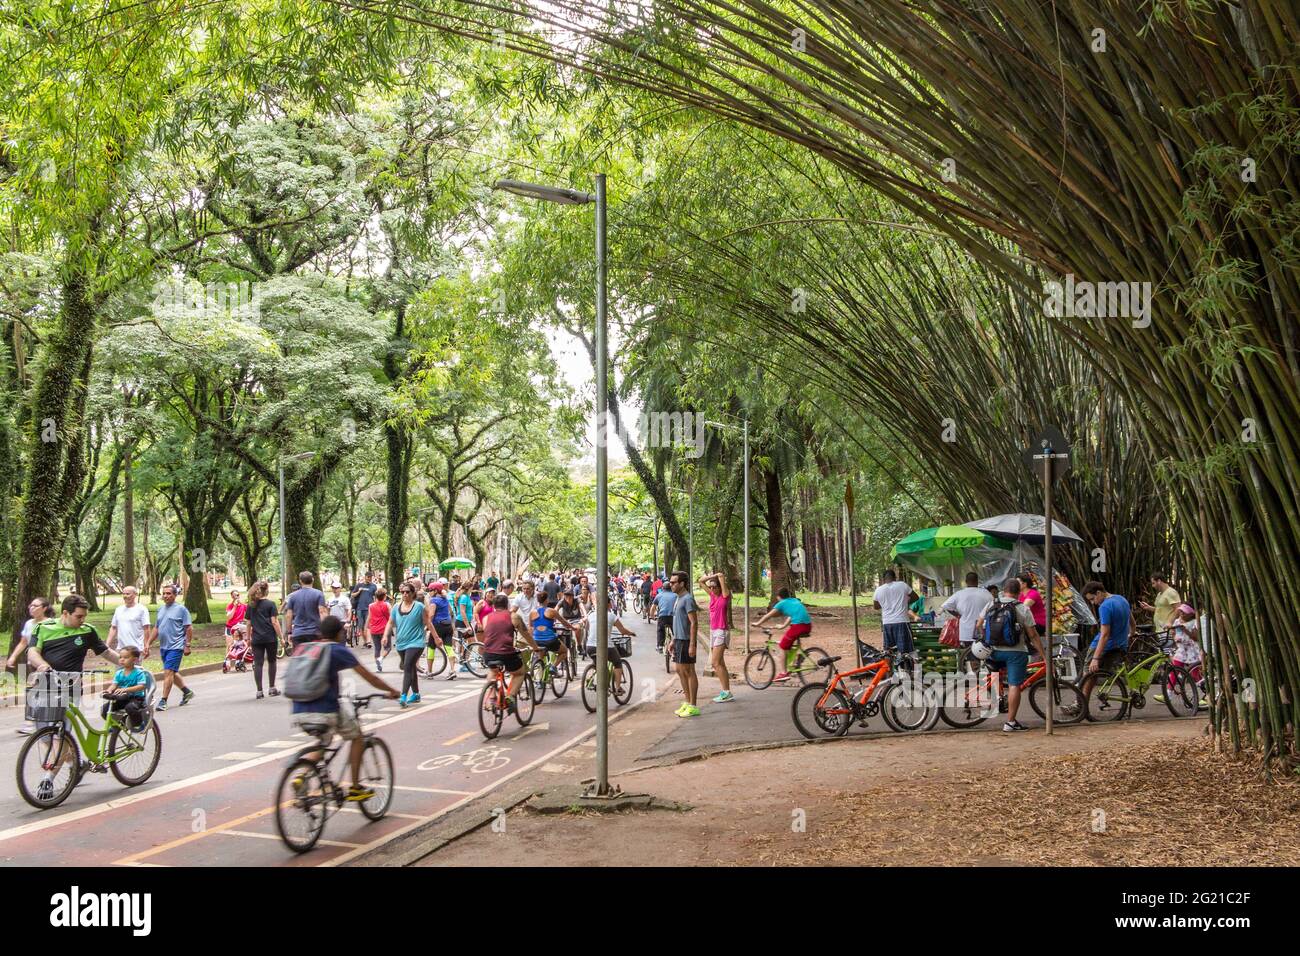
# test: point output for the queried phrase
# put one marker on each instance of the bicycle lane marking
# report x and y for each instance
(488, 788)
(130, 799)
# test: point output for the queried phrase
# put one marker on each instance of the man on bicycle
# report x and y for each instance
(664, 602)
(62, 646)
(1110, 646)
(798, 624)
(572, 616)
(326, 710)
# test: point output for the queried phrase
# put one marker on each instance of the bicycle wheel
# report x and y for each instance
(524, 702)
(301, 805)
(966, 702)
(1067, 701)
(377, 774)
(668, 657)
(589, 689)
(490, 711)
(1182, 696)
(432, 662)
(907, 709)
(806, 666)
(760, 668)
(1109, 698)
(540, 679)
(626, 695)
(49, 766)
(560, 677)
(833, 718)
(473, 659)
(133, 755)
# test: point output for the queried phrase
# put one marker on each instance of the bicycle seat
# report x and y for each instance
(828, 661)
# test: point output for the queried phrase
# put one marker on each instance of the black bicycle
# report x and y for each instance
(308, 793)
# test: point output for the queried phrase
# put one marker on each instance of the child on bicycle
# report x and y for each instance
(798, 624)
(129, 686)
(326, 710)
(1187, 651)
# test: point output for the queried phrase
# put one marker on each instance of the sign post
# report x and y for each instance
(1051, 458)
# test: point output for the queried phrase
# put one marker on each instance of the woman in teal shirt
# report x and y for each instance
(408, 629)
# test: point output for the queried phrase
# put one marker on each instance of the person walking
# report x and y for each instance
(719, 631)
(409, 627)
(175, 632)
(130, 624)
(377, 623)
(340, 606)
(685, 623)
(1166, 606)
(265, 634)
(362, 595)
(304, 609)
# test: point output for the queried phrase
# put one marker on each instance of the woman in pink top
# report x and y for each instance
(1029, 595)
(236, 610)
(719, 630)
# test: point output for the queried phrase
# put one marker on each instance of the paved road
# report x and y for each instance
(209, 802)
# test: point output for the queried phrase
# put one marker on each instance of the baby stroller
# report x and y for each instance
(241, 652)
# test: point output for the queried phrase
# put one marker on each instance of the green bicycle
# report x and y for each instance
(591, 685)
(1116, 692)
(761, 664)
(547, 669)
(50, 764)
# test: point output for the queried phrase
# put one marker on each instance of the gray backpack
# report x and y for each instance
(307, 673)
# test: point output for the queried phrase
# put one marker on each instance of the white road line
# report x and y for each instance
(239, 755)
(398, 786)
(276, 836)
(277, 744)
(558, 768)
(138, 796)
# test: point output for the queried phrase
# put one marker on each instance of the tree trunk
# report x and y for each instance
(399, 447)
(777, 557)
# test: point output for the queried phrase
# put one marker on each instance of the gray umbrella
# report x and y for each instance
(1023, 527)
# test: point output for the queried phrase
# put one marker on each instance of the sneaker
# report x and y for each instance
(413, 699)
(1204, 703)
(259, 696)
(1013, 725)
(724, 698)
(187, 696)
(681, 711)
(691, 711)
(379, 665)
(452, 675)
(1159, 698)
(359, 794)
(45, 790)
(401, 701)
(784, 675)
(162, 705)
(510, 705)
(275, 692)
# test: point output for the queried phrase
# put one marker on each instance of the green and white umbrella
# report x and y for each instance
(455, 564)
(938, 553)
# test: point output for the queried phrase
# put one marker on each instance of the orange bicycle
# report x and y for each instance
(894, 691)
(970, 701)
(492, 706)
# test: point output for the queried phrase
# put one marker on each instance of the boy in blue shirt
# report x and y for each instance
(130, 684)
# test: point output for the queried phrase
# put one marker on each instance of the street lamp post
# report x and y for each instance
(573, 197)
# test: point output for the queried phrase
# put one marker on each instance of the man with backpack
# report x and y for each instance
(311, 681)
(1003, 631)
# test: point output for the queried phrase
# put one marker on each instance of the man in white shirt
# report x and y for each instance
(339, 606)
(891, 600)
(525, 602)
(130, 624)
(967, 606)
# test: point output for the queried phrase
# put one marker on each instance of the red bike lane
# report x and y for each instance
(225, 817)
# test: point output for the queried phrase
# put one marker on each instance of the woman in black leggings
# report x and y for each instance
(409, 629)
(264, 623)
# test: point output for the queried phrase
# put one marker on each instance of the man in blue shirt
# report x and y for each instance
(304, 609)
(1115, 618)
(664, 603)
(362, 595)
(175, 630)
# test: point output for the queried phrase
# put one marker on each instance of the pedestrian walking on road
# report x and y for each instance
(175, 632)
(362, 595)
(686, 624)
(377, 617)
(891, 600)
(38, 611)
(304, 609)
(264, 621)
(409, 628)
(719, 631)
(130, 624)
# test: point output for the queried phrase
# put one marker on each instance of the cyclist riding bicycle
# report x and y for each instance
(325, 710)
(62, 646)
(615, 655)
(798, 624)
(500, 625)
(573, 616)
(543, 622)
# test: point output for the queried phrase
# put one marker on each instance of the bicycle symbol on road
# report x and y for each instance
(478, 760)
